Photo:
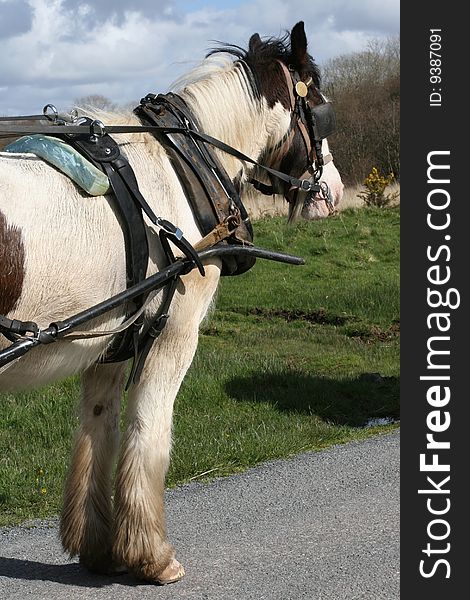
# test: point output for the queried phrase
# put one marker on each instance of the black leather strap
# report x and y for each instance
(211, 194)
(303, 184)
(152, 332)
(12, 328)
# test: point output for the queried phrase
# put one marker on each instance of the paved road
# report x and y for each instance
(318, 526)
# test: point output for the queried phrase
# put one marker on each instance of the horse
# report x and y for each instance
(62, 251)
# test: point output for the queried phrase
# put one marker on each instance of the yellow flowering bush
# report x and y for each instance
(41, 488)
(374, 193)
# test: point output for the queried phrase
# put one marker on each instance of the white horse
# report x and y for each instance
(62, 252)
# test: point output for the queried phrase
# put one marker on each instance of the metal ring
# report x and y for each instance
(97, 124)
(54, 115)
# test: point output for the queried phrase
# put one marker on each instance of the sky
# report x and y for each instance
(56, 51)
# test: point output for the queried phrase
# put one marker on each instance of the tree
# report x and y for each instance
(365, 89)
(96, 101)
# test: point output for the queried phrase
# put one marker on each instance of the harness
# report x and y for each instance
(214, 200)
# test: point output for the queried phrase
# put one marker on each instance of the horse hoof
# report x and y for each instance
(172, 573)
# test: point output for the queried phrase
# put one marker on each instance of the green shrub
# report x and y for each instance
(374, 193)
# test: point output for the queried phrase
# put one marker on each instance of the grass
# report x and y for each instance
(291, 359)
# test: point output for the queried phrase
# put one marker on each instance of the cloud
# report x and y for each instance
(15, 17)
(368, 15)
(63, 49)
(93, 13)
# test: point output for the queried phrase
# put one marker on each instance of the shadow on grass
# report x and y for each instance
(343, 402)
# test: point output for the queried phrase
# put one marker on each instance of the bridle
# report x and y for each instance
(314, 124)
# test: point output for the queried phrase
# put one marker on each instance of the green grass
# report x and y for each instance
(287, 362)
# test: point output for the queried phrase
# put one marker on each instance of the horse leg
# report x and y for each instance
(85, 526)
(140, 532)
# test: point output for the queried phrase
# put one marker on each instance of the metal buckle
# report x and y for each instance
(308, 185)
(325, 192)
(149, 98)
(97, 130)
(55, 114)
(74, 115)
(61, 119)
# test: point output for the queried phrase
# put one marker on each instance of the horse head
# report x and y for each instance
(284, 81)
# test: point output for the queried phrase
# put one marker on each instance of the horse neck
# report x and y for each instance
(226, 109)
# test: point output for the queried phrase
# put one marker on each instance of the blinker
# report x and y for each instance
(324, 120)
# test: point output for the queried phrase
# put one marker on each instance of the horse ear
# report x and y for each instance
(298, 44)
(255, 42)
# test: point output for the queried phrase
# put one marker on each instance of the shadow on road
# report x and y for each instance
(342, 401)
(68, 574)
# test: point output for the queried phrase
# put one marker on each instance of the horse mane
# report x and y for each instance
(214, 64)
(263, 52)
(259, 63)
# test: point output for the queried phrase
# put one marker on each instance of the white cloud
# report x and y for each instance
(72, 49)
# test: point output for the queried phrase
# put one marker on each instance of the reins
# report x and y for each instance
(28, 335)
(97, 129)
(301, 111)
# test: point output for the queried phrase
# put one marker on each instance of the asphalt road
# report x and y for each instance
(319, 526)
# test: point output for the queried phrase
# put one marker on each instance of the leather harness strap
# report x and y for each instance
(130, 206)
(211, 194)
